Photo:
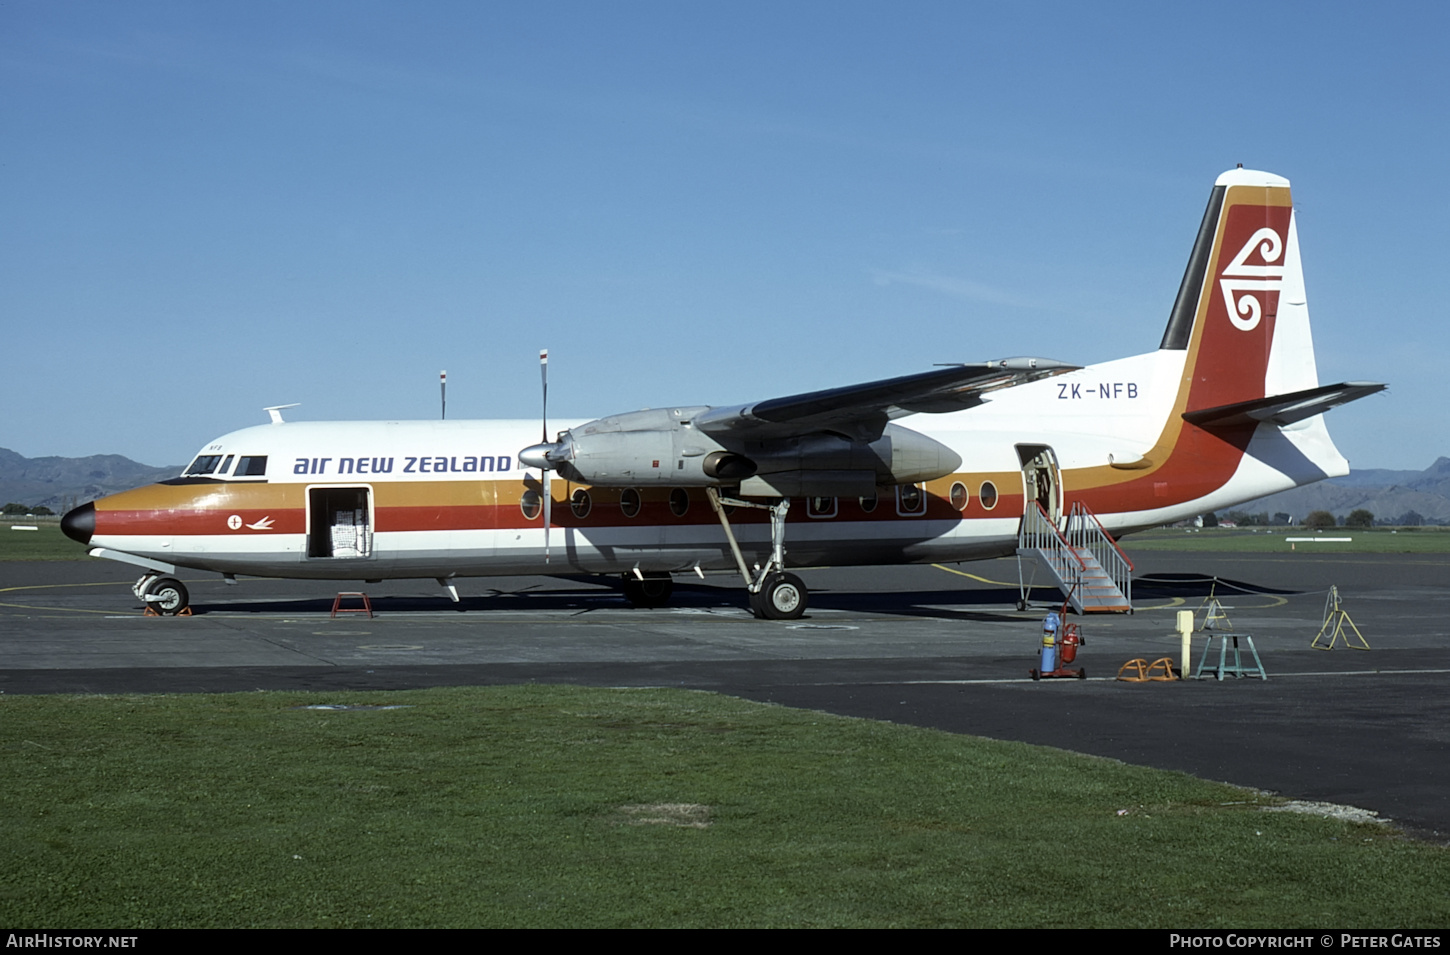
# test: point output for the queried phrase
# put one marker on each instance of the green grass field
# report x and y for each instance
(549, 806)
(46, 542)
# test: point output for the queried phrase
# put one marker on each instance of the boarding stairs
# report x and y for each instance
(1082, 558)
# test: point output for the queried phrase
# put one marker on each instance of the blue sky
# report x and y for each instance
(206, 208)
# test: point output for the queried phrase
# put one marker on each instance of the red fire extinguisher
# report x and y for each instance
(1071, 640)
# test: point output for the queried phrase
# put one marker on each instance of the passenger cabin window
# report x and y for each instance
(204, 464)
(988, 495)
(254, 465)
(910, 501)
(960, 496)
(821, 506)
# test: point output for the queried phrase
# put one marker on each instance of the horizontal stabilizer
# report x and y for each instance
(864, 409)
(1283, 409)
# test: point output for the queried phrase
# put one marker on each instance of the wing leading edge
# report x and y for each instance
(861, 411)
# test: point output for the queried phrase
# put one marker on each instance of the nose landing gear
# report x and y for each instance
(165, 595)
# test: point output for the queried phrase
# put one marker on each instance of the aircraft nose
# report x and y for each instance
(80, 523)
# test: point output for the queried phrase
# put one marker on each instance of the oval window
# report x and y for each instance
(988, 495)
(909, 499)
(868, 504)
(629, 502)
(960, 497)
(531, 504)
(580, 503)
(679, 501)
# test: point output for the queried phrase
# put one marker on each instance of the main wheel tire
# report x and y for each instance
(653, 591)
(783, 597)
(170, 595)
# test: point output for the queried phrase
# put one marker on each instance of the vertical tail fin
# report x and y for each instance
(1245, 419)
(1241, 311)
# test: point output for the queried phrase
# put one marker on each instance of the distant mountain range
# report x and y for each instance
(56, 482)
(1386, 494)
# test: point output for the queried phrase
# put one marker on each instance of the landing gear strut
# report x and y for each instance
(774, 594)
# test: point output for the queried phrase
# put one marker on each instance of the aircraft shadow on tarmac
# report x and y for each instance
(565, 595)
(583, 595)
(1198, 585)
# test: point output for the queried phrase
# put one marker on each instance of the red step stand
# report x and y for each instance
(338, 608)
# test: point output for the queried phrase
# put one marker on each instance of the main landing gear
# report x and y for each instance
(781, 597)
(774, 594)
(165, 595)
(650, 590)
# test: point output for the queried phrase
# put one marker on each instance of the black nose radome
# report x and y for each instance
(80, 523)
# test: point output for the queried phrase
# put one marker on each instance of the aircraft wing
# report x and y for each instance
(1283, 409)
(861, 411)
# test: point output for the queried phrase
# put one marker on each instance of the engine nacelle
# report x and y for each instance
(662, 447)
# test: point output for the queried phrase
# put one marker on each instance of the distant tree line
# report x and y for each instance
(25, 510)
(1262, 519)
(1318, 520)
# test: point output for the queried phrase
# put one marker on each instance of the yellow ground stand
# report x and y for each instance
(1215, 616)
(1336, 618)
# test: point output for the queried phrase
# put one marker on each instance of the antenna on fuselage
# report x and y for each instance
(275, 412)
(443, 394)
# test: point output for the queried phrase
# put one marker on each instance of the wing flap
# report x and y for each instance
(863, 410)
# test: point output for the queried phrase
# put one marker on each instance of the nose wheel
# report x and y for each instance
(165, 595)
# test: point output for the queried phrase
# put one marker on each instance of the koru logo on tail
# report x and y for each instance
(1242, 282)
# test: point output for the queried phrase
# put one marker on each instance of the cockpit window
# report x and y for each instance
(252, 466)
(204, 464)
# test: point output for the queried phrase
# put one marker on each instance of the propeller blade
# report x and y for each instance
(544, 377)
(546, 467)
(548, 510)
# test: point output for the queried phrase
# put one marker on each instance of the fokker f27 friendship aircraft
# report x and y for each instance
(1015, 455)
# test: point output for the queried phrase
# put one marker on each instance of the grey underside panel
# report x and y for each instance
(605, 559)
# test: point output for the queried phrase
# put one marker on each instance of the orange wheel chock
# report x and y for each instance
(153, 612)
(1139, 670)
